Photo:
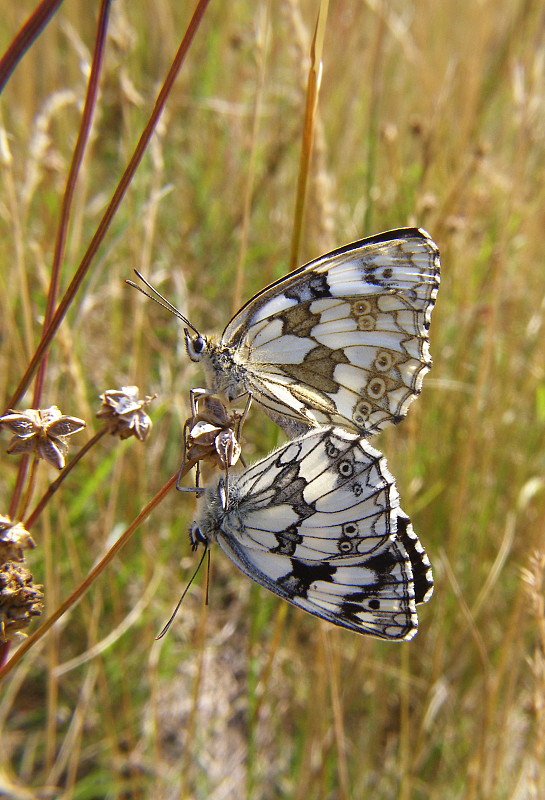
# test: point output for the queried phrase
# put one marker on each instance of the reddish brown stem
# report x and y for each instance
(19, 485)
(93, 575)
(77, 157)
(22, 41)
(31, 519)
(4, 652)
(31, 483)
(106, 220)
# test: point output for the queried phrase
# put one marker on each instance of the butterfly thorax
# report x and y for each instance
(225, 374)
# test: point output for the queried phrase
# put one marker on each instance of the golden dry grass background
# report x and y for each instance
(430, 114)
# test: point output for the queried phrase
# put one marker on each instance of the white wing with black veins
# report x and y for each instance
(318, 523)
(343, 340)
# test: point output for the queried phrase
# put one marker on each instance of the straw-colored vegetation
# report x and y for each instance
(429, 114)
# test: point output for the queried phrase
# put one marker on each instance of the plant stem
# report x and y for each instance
(31, 519)
(72, 599)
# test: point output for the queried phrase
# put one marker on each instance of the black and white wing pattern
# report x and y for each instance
(318, 522)
(340, 341)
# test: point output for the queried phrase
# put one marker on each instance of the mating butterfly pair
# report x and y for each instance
(334, 352)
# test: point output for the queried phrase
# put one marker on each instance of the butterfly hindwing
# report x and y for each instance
(318, 523)
(344, 339)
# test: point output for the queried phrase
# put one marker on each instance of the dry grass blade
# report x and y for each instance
(113, 205)
(311, 107)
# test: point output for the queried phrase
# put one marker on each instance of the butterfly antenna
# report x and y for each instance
(207, 576)
(179, 603)
(158, 298)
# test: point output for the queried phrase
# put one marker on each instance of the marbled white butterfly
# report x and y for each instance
(318, 522)
(340, 341)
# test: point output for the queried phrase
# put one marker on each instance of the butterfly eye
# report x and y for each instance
(198, 345)
(195, 345)
(196, 536)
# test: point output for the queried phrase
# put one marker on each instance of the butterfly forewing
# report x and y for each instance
(344, 339)
(317, 523)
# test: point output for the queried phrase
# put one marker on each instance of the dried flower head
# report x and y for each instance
(211, 435)
(14, 538)
(20, 600)
(212, 432)
(43, 431)
(123, 412)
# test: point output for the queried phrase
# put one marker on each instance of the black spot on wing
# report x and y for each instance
(383, 563)
(297, 582)
(289, 488)
(369, 273)
(287, 541)
(313, 288)
(366, 596)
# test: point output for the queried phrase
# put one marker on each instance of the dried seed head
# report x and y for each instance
(123, 412)
(42, 431)
(20, 600)
(14, 538)
(212, 433)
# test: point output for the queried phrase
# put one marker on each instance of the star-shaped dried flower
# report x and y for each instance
(20, 600)
(14, 538)
(123, 412)
(43, 431)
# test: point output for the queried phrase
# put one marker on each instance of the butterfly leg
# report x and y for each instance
(240, 423)
(242, 418)
(194, 396)
(184, 452)
(197, 488)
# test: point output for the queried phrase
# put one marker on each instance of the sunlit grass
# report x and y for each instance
(432, 114)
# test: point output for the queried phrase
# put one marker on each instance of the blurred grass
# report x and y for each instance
(429, 114)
